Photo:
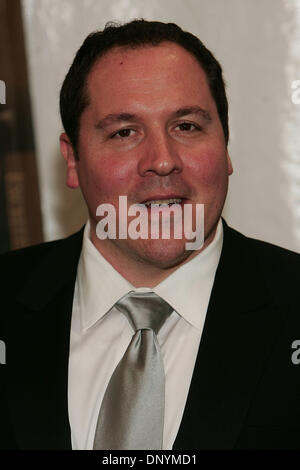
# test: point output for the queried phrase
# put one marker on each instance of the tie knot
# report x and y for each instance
(144, 310)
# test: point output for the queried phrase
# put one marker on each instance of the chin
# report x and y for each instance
(163, 253)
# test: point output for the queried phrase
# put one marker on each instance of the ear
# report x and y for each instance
(229, 164)
(68, 153)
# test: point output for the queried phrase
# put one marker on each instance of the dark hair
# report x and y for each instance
(137, 33)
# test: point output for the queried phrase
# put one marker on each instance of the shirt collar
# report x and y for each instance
(100, 286)
(187, 289)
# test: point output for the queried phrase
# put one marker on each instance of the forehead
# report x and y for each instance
(150, 74)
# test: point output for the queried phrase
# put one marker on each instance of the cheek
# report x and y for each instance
(209, 168)
(106, 178)
(116, 175)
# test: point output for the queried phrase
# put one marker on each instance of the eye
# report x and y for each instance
(188, 127)
(123, 133)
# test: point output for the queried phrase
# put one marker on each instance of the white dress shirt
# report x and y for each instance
(100, 334)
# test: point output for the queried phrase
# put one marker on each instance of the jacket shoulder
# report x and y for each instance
(16, 265)
(280, 267)
(263, 248)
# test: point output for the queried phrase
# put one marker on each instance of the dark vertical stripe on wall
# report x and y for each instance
(20, 214)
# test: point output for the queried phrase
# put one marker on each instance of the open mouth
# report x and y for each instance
(163, 202)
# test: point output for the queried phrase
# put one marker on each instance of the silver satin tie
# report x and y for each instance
(132, 411)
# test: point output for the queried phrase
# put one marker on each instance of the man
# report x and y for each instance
(145, 116)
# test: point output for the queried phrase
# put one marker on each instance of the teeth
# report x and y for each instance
(163, 202)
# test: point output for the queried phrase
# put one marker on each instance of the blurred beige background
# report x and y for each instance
(258, 44)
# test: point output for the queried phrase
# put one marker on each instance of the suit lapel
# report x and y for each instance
(39, 350)
(239, 331)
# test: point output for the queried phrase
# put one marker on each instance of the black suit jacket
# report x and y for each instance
(245, 390)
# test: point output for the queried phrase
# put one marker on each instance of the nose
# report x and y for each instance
(160, 156)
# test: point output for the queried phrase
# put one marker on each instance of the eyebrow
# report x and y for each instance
(114, 118)
(193, 110)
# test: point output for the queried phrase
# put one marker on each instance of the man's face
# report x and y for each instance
(150, 132)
